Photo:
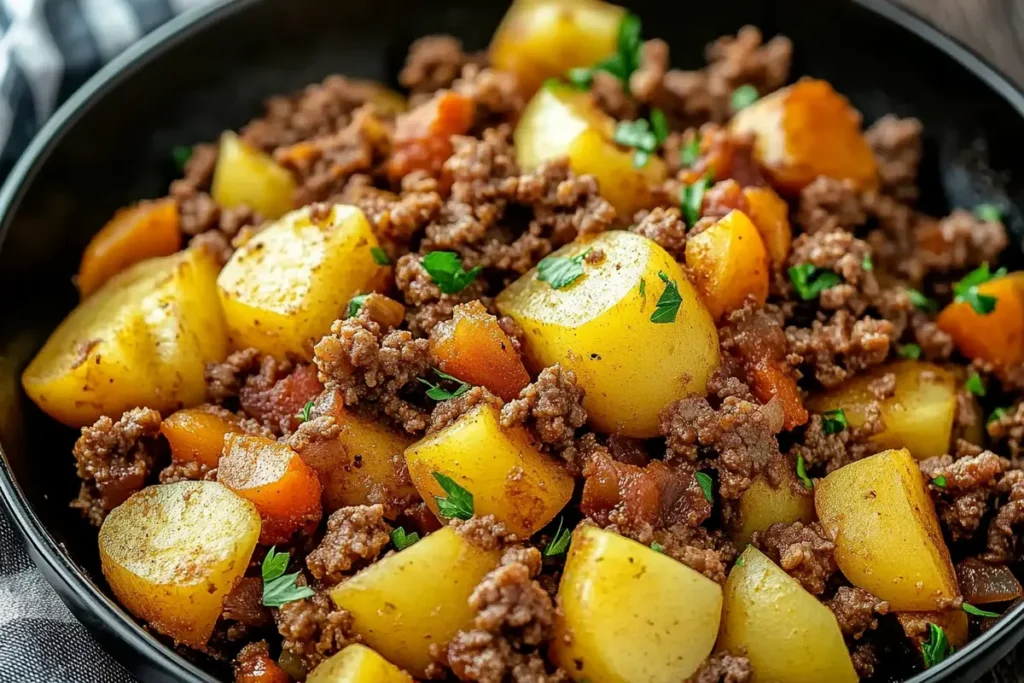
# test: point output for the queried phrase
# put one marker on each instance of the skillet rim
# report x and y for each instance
(139, 651)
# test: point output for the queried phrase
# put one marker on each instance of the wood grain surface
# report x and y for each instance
(995, 30)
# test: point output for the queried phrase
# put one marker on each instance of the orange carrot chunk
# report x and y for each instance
(996, 336)
(197, 434)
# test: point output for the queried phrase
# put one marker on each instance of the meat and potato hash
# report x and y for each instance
(561, 365)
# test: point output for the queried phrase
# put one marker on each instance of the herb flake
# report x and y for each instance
(280, 588)
(910, 351)
(810, 281)
(561, 271)
(355, 304)
(937, 647)
(457, 503)
(402, 540)
(740, 561)
(801, 473)
(834, 421)
(667, 308)
(867, 263)
(744, 96)
(445, 269)
(439, 393)
(559, 542)
(690, 153)
(181, 154)
(974, 611)
(990, 213)
(580, 77)
(692, 198)
(997, 414)
(306, 409)
(966, 291)
(922, 302)
(380, 257)
(939, 482)
(975, 385)
(704, 480)
(643, 136)
(657, 547)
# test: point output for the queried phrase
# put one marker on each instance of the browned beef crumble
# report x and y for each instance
(355, 536)
(828, 203)
(253, 664)
(552, 407)
(832, 451)
(447, 412)
(802, 550)
(838, 347)
(723, 667)
(1009, 428)
(313, 629)
(484, 532)
(666, 227)
(1002, 537)
(960, 241)
(856, 611)
(896, 143)
(433, 63)
(969, 484)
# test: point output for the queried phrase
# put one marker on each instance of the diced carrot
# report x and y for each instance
(270, 475)
(474, 348)
(769, 380)
(146, 230)
(284, 399)
(728, 263)
(197, 434)
(996, 337)
(422, 140)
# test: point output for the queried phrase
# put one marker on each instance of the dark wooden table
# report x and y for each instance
(995, 29)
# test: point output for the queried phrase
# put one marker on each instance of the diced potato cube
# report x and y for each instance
(630, 613)
(918, 416)
(762, 505)
(504, 469)
(172, 552)
(770, 215)
(357, 664)
(787, 633)
(729, 263)
(805, 131)
(142, 339)
(247, 176)
(601, 327)
(197, 434)
(540, 39)
(888, 540)
(406, 602)
(996, 337)
(282, 289)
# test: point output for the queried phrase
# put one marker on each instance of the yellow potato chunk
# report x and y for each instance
(504, 469)
(172, 552)
(357, 664)
(142, 339)
(247, 176)
(561, 121)
(918, 416)
(888, 540)
(762, 505)
(282, 290)
(403, 603)
(601, 327)
(540, 39)
(787, 633)
(630, 613)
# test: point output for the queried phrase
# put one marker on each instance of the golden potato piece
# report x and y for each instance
(787, 633)
(762, 505)
(247, 176)
(630, 613)
(601, 327)
(402, 604)
(142, 339)
(282, 290)
(888, 540)
(172, 552)
(918, 416)
(504, 469)
(729, 263)
(357, 664)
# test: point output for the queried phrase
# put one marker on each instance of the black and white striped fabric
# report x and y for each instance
(48, 48)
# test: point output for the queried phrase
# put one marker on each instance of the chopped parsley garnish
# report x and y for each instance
(691, 151)
(181, 154)
(910, 351)
(403, 540)
(921, 302)
(937, 647)
(801, 473)
(581, 77)
(643, 136)
(380, 257)
(439, 393)
(657, 547)
(834, 421)
(643, 287)
(744, 96)
(561, 271)
(990, 213)
(279, 588)
(445, 269)
(704, 480)
(966, 290)
(692, 198)
(668, 303)
(740, 561)
(622, 64)
(997, 414)
(810, 281)
(457, 503)
(939, 482)
(867, 263)
(355, 304)
(974, 611)
(975, 385)
(559, 542)
(304, 415)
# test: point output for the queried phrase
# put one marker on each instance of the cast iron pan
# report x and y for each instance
(207, 71)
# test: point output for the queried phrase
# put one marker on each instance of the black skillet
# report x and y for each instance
(208, 71)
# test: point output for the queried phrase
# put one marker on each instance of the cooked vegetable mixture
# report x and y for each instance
(567, 365)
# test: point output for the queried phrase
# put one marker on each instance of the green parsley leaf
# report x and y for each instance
(690, 153)
(692, 198)
(990, 213)
(834, 421)
(638, 135)
(559, 542)
(617, 66)
(801, 472)
(867, 263)
(744, 96)
(910, 351)
(181, 154)
(581, 77)
(937, 647)
(921, 302)
(561, 271)
(997, 414)
(811, 281)
(659, 125)
(643, 287)
(445, 269)
(403, 540)
(704, 480)
(740, 561)
(459, 502)
(630, 42)
(657, 547)
(668, 303)
(304, 415)
(439, 393)
(974, 611)
(939, 482)
(279, 588)
(966, 290)
(380, 257)
(355, 304)
(975, 385)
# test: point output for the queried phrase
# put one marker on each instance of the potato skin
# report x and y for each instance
(631, 614)
(357, 664)
(887, 536)
(282, 289)
(504, 469)
(247, 176)
(600, 327)
(142, 339)
(787, 633)
(172, 552)
(402, 604)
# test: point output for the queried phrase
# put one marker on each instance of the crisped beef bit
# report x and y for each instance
(666, 227)
(959, 241)
(447, 412)
(496, 95)
(552, 407)
(936, 345)
(198, 213)
(967, 487)
(608, 94)
(841, 346)
(839, 251)
(428, 306)
(395, 219)
(646, 80)
(802, 550)
(433, 63)
(1002, 539)
(371, 365)
(114, 459)
(224, 381)
(864, 660)
(829, 203)
(746, 59)
(244, 604)
(277, 394)
(836, 450)
(565, 206)
(313, 629)
(723, 667)
(355, 535)
(1009, 427)
(856, 611)
(190, 470)
(896, 144)
(477, 655)
(484, 532)
(253, 664)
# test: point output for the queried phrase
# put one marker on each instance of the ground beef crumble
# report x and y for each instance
(313, 629)
(552, 407)
(802, 550)
(856, 611)
(723, 667)
(896, 144)
(253, 664)
(968, 485)
(355, 536)
(839, 347)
